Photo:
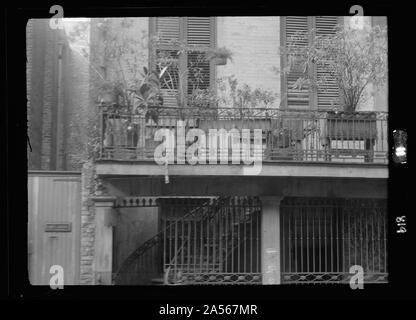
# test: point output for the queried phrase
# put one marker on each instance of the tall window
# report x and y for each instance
(327, 95)
(192, 31)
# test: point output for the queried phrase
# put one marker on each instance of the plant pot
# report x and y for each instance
(219, 61)
(115, 133)
(351, 126)
(108, 98)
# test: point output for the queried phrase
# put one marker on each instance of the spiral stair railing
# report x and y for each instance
(209, 216)
(155, 240)
(172, 276)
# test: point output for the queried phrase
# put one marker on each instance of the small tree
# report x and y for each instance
(130, 86)
(353, 58)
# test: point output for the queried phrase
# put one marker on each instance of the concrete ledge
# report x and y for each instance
(52, 173)
(269, 169)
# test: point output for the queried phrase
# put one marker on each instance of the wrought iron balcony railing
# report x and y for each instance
(302, 135)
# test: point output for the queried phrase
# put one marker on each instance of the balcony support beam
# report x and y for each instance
(103, 255)
(270, 239)
(269, 169)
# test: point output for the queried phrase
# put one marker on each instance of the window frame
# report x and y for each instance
(183, 59)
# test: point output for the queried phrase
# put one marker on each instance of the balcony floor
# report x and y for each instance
(268, 169)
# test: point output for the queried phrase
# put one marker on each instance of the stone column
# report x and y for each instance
(103, 249)
(270, 239)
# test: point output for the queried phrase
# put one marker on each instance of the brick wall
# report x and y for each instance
(87, 225)
(78, 114)
(57, 119)
(90, 111)
(35, 72)
(49, 101)
(29, 67)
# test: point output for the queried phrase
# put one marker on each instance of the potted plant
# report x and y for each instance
(147, 97)
(114, 101)
(219, 56)
(351, 125)
(252, 108)
(146, 102)
(354, 59)
(240, 101)
(113, 97)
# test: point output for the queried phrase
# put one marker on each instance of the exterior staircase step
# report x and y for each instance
(157, 281)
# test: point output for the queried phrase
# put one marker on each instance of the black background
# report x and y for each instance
(401, 33)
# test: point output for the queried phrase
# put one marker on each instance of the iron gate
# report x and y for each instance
(201, 241)
(322, 238)
(218, 245)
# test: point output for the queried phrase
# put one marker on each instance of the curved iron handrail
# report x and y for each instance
(209, 218)
(172, 261)
(150, 243)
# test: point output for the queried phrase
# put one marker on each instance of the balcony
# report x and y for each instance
(287, 136)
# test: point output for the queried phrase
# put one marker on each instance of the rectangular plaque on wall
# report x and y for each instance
(58, 227)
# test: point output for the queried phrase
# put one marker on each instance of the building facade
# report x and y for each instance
(311, 207)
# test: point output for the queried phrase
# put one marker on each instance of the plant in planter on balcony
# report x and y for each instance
(113, 97)
(204, 101)
(187, 81)
(118, 58)
(147, 96)
(254, 106)
(354, 59)
(242, 98)
(132, 95)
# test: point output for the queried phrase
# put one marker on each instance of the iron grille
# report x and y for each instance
(221, 247)
(322, 238)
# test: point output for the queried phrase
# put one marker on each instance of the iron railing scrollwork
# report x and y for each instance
(288, 135)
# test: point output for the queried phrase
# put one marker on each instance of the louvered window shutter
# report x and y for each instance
(327, 95)
(295, 27)
(328, 90)
(199, 35)
(168, 30)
